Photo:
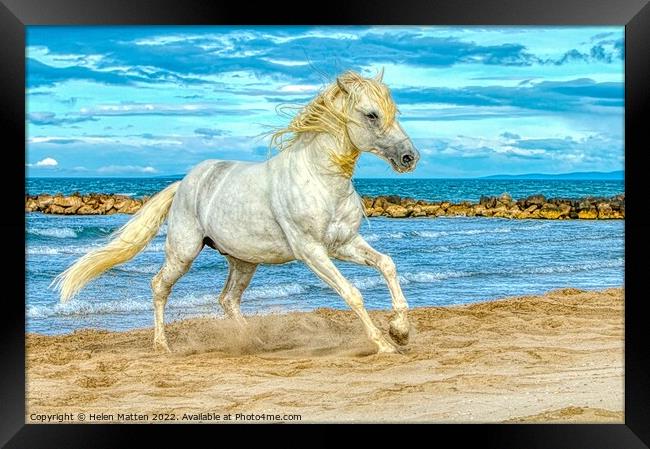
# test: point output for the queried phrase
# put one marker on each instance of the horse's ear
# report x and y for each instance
(380, 75)
(342, 86)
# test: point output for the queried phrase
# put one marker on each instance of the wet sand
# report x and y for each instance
(551, 358)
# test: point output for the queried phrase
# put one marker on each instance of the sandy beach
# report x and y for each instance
(551, 358)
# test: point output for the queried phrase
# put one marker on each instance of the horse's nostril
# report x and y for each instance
(407, 159)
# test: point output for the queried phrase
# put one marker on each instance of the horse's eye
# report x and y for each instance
(372, 116)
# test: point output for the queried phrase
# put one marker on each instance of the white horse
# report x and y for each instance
(300, 204)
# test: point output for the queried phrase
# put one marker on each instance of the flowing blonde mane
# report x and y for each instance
(323, 116)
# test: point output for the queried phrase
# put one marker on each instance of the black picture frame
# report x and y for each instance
(633, 14)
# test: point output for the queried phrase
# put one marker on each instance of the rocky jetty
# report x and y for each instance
(503, 206)
(76, 204)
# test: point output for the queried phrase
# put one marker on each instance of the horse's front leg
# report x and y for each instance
(359, 251)
(315, 257)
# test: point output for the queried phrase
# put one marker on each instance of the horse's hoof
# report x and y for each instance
(161, 347)
(386, 348)
(399, 332)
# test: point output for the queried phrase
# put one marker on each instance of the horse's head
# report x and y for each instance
(360, 115)
(372, 125)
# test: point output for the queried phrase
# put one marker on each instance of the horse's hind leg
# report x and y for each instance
(182, 247)
(239, 276)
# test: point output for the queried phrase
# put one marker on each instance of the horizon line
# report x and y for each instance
(594, 173)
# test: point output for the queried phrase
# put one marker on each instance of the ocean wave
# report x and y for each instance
(534, 227)
(142, 269)
(77, 307)
(435, 234)
(194, 301)
(420, 277)
(39, 250)
(67, 232)
(431, 277)
(188, 303)
(274, 291)
(47, 250)
(426, 277)
(83, 232)
(572, 268)
(367, 282)
(371, 237)
(83, 307)
(61, 233)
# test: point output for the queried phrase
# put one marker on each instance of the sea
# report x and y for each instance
(441, 261)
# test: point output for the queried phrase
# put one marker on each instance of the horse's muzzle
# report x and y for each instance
(406, 159)
(409, 159)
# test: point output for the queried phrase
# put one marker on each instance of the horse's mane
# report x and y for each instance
(322, 116)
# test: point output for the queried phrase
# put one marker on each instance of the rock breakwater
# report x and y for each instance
(91, 204)
(503, 206)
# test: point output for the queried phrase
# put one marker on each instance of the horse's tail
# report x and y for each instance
(128, 241)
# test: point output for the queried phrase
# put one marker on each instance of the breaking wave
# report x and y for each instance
(572, 268)
(434, 234)
(154, 247)
(274, 291)
(60, 233)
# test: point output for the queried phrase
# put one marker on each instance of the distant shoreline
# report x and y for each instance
(392, 206)
(616, 175)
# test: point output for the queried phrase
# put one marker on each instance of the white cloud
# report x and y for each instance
(115, 140)
(203, 109)
(225, 45)
(110, 169)
(62, 60)
(519, 151)
(162, 40)
(328, 34)
(235, 38)
(299, 88)
(285, 62)
(48, 162)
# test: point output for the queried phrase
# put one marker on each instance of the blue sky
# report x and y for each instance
(149, 101)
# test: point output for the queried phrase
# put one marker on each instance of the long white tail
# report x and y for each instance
(129, 240)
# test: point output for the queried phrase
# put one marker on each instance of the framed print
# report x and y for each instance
(427, 215)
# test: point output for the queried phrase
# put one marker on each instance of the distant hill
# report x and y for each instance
(180, 176)
(618, 175)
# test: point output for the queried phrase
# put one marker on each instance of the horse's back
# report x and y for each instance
(197, 183)
(207, 173)
(230, 202)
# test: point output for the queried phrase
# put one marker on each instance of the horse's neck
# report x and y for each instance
(313, 154)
